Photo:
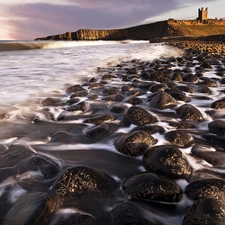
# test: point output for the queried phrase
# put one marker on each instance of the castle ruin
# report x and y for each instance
(202, 14)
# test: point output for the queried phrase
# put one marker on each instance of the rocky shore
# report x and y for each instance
(148, 143)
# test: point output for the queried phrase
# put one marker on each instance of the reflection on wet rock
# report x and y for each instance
(134, 143)
(139, 116)
(205, 211)
(167, 160)
(77, 182)
(151, 187)
(32, 208)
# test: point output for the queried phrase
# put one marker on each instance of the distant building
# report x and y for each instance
(202, 14)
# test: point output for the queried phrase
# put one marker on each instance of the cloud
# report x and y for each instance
(28, 21)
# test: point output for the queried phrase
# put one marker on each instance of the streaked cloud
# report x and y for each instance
(37, 18)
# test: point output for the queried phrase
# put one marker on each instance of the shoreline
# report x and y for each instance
(149, 111)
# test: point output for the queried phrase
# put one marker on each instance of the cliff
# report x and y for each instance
(154, 31)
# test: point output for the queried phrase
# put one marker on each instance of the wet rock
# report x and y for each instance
(206, 66)
(219, 104)
(83, 93)
(204, 89)
(114, 98)
(51, 102)
(167, 160)
(133, 100)
(134, 143)
(111, 91)
(207, 188)
(139, 116)
(215, 140)
(217, 127)
(32, 208)
(208, 82)
(151, 187)
(127, 88)
(190, 78)
(127, 213)
(158, 87)
(77, 182)
(150, 129)
(100, 131)
(100, 119)
(182, 125)
(163, 100)
(177, 94)
(64, 217)
(179, 138)
(188, 112)
(81, 106)
(205, 211)
(186, 89)
(75, 88)
(210, 155)
(117, 108)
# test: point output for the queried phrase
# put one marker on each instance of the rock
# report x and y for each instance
(150, 129)
(217, 127)
(117, 108)
(33, 208)
(51, 102)
(206, 66)
(179, 138)
(177, 94)
(190, 78)
(163, 100)
(207, 188)
(114, 98)
(77, 94)
(127, 213)
(188, 112)
(167, 160)
(100, 131)
(210, 155)
(219, 104)
(100, 119)
(78, 182)
(158, 87)
(204, 89)
(139, 116)
(133, 100)
(81, 106)
(182, 125)
(186, 89)
(151, 187)
(134, 143)
(215, 140)
(75, 88)
(205, 211)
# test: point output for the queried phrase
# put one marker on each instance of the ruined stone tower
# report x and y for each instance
(202, 14)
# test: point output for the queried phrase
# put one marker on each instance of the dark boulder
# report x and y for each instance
(207, 188)
(179, 138)
(127, 213)
(151, 187)
(167, 160)
(33, 208)
(217, 127)
(134, 143)
(81, 106)
(100, 119)
(205, 211)
(133, 100)
(189, 112)
(158, 87)
(75, 88)
(163, 100)
(139, 116)
(77, 182)
(219, 104)
(150, 129)
(117, 108)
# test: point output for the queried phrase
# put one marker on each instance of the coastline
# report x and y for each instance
(138, 108)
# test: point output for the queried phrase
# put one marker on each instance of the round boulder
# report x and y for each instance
(83, 181)
(207, 188)
(189, 112)
(33, 208)
(134, 143)
(163, 100)
(167, 160)
(151, 187)
(217, 127)
(139, 116)
(179, 138)
(205, 211)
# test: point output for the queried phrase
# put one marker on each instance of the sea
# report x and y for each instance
(31, 71)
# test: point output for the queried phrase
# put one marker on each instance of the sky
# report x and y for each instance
(29, 19)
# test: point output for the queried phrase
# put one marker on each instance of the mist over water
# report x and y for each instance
(46, 68)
